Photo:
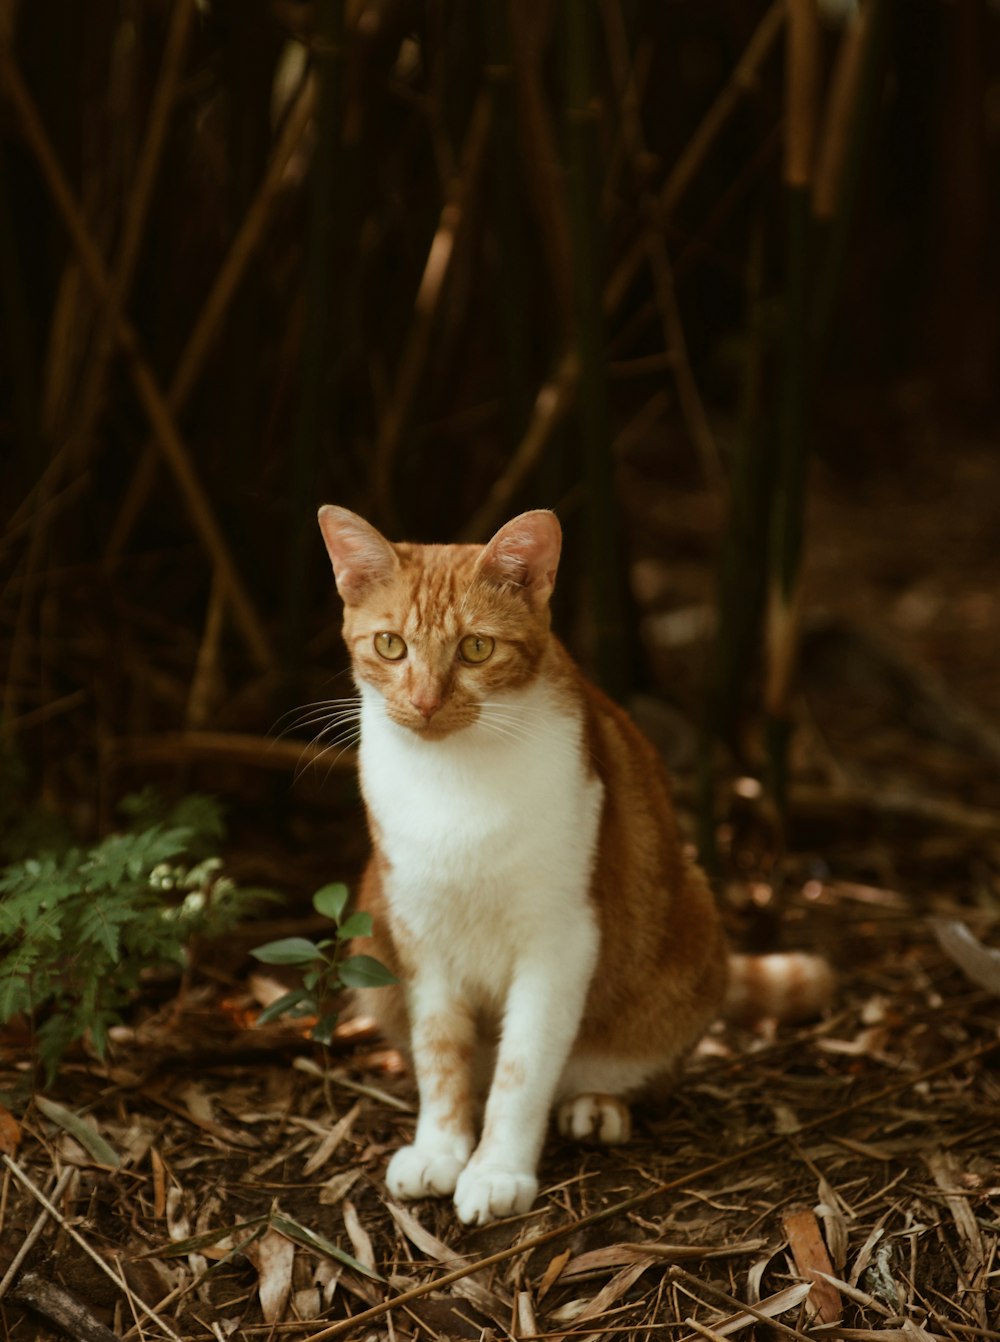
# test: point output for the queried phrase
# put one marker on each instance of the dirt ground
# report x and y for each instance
(841, 1179)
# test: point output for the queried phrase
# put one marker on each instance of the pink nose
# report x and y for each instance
(426, 702)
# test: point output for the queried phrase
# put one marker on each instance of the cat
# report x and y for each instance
(527, 882)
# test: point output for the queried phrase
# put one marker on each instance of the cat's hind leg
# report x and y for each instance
(590, 1102)
(605, 1119)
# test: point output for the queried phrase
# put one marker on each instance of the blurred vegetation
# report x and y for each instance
(439, 261)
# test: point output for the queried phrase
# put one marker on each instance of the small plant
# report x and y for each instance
(80, 928)
(323, 966)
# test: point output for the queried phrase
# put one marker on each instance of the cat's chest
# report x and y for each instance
(477, 803)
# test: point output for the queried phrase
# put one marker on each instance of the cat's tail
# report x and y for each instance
(787, 986)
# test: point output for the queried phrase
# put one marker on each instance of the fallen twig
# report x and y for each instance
(33, 1233)
(57, 1305)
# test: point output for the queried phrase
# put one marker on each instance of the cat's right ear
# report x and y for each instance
(360, 555)
(524, 555)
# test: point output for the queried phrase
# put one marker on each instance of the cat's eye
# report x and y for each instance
(476, 648)
(390, 647)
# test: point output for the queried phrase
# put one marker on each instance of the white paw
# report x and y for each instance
(485, 1192)
(595, 1118)
(416, 1172)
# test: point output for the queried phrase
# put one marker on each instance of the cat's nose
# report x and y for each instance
(426, 702)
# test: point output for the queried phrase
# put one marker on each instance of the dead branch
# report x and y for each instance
(62, 1308)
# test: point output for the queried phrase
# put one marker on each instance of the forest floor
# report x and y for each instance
(842, 1179)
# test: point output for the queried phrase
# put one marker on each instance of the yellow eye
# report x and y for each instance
(390, 647)
(476, 648)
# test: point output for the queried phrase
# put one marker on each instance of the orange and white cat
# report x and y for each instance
(527, 882)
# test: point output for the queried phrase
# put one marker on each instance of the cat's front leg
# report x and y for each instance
(542, 1018)
(443, 1044)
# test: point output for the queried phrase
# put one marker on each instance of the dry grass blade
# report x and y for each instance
(766, 1311)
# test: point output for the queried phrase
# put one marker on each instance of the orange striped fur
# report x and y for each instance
(554, 945)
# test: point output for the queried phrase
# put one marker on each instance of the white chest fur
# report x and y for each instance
(489, 834)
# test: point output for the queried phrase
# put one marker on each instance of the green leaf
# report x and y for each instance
(357, 925)
(283, 1004)
(288, 951)
(207, 1237)
(331, 901)
(363, 971)
(92, 1142)
(312, 1239)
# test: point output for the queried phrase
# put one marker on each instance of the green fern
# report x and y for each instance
(80, 928)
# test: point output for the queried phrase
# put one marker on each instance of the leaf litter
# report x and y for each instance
(841, 1180)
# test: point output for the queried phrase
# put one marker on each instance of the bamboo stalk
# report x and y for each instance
(451, 223)
(602, 542)
(136, 213)
(742, 561)
(743, 80)
(167, 437)
(551, 406)
(208, 324)
(511, 274)
(325, 211)
(844, 146)
(785, 558)
(657, 257)
(544, 174)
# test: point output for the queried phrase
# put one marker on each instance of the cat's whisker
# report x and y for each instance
(313, 713)
(347, 733)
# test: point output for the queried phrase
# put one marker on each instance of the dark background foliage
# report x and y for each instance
(467, 238)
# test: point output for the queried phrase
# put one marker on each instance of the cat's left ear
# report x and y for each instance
(360, 555)
(525, 554)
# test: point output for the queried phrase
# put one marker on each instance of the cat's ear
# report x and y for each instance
(525, 554)
(360, 555)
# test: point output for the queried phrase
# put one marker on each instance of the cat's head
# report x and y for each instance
(441, 630)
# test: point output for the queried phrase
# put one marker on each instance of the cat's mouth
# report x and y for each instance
(440, 725)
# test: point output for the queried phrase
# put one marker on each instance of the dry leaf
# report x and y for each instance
(422, 1238)
(578, 1310)
(273, 1256)
(10, 1132)
(552, 1272)
(360, 1239)
(947, 1175)
(809, 1251)
(790, 1298)
(338, 1186)
(331, 1141)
